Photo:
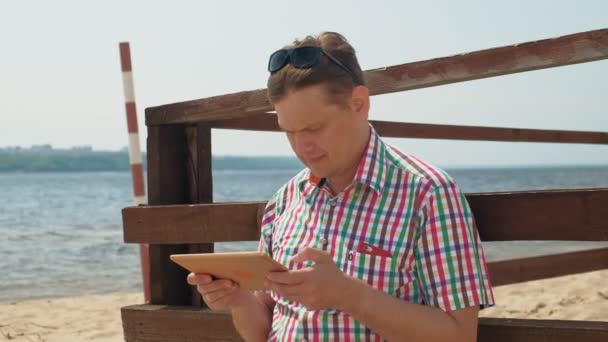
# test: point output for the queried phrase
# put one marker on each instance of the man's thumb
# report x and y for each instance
(310, 254)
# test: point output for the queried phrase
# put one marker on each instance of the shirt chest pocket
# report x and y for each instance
(378, 270)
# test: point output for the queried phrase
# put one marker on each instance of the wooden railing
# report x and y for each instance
(181, 217)
(549, 53)
(571, 215)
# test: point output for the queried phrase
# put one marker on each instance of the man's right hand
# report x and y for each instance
(219, 294)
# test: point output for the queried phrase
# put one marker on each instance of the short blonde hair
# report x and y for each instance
(337, 81)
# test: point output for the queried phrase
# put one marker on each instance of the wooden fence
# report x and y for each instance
(182, 217)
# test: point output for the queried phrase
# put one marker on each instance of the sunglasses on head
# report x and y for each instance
(302, 57)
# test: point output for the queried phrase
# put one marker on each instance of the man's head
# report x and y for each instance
(321, 105)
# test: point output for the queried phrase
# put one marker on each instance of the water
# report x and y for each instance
(62, 233)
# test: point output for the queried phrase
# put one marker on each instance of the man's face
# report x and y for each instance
(321, 133)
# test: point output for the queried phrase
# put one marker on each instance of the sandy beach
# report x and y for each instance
(86, 318)
(573, 297)
(97, 318)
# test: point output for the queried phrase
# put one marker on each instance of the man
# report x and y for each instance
(380, 244)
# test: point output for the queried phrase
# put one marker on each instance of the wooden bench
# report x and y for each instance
(182, 217)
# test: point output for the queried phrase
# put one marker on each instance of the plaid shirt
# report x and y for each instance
(403, 226)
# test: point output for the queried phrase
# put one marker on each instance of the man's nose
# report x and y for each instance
(304, 143)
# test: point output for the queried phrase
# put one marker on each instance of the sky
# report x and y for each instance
(60, 79)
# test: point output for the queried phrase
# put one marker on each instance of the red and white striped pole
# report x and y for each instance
(137, 171)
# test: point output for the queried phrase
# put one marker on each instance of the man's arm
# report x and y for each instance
(251, 312)
(253, 318)
(398, 320)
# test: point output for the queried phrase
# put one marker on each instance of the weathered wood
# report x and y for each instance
(576, 215)
(199, 163)
(205, 175)
(570, 215)
(571, 49)
(391, 129)
(167, 184)
(535, 330)
(218, 222)
(167, 282)
(200, 184)
(549, 266)
(192, 161)
(455, 132)
(167, 154)
(152, 323)
(535, 55)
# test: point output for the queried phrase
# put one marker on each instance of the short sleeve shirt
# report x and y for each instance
(403, 226)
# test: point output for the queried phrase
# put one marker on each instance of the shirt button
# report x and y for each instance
(323, 241)
(333, 202)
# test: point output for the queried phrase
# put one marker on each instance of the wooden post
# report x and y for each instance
(200, 183)
(167, 184)
(179, 172)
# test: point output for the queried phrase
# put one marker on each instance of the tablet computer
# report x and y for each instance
(249, 269)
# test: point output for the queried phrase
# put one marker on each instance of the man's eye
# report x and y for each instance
(315, 129)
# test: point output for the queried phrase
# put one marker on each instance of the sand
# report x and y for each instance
(97, 318)
(574, 297)
(86, 318)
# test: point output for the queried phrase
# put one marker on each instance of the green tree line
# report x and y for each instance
(70, 161)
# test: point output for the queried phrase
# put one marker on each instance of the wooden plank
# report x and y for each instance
(535, 55)
(571, 215)
(166, 169)
(200, 181)
(193, 223)
(391, 129)
(548, 53)
(534, 330)
(152, 323)
(192, 162)
(199, 161)
(167, 184)
(205, 174)
(549, 266)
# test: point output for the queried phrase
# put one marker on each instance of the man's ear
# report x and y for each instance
(360, 101)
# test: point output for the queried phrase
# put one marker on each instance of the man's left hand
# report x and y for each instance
(321, 286)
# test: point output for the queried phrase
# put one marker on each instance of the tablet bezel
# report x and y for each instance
(249, 269)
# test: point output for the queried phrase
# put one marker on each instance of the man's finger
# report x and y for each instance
(286, 278)
(218, 285)
(199, 278)
(212, 298)
(312, 254)
(291, 291)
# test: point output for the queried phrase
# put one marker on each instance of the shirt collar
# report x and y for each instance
(372, 167)
(371, 170)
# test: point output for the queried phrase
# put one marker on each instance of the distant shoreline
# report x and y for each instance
(295, 169)
(115, 161)
(93, 161)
